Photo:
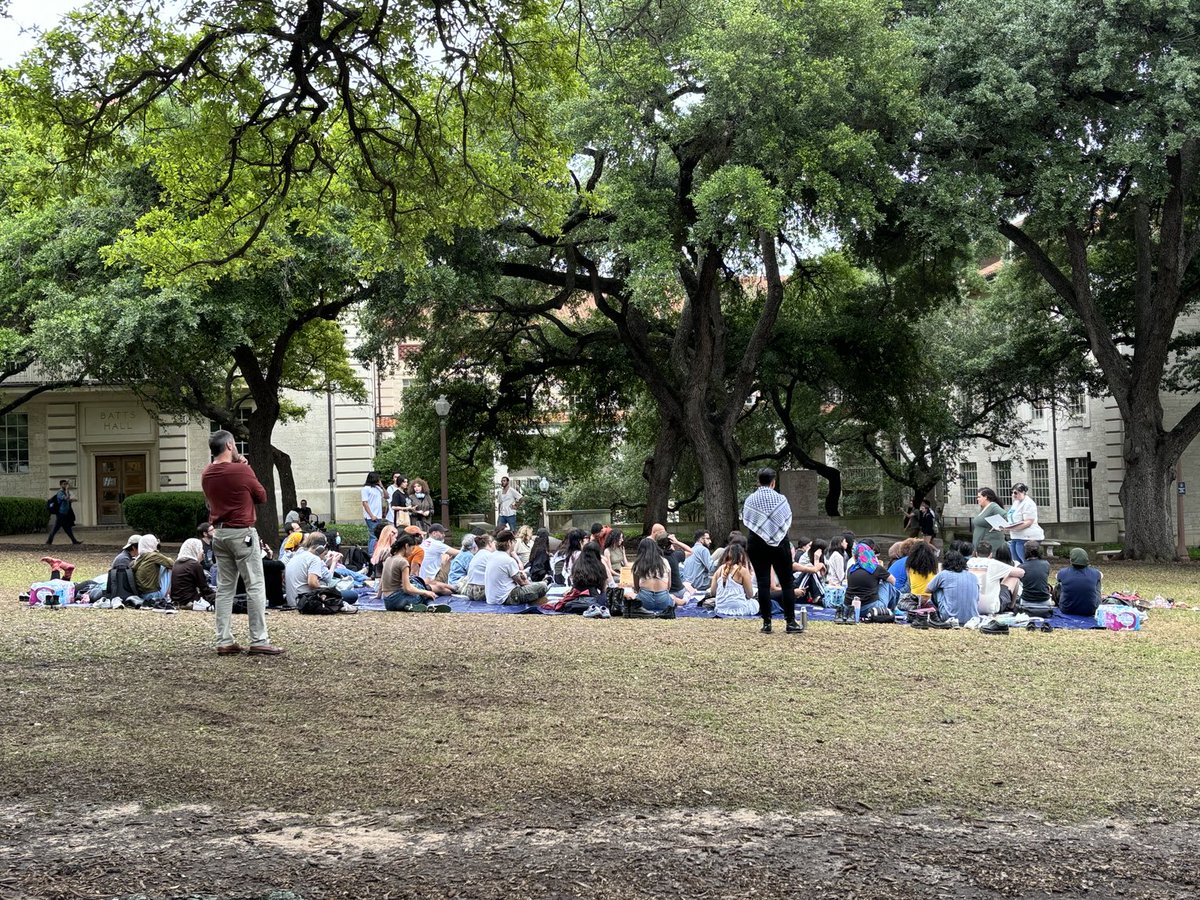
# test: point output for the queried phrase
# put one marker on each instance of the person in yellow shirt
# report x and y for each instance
(922, 565)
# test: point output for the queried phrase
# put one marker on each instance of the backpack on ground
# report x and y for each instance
(324, 601)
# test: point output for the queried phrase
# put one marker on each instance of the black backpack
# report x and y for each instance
(325, 601)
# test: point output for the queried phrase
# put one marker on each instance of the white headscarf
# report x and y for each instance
(192, 549)
(148, 543)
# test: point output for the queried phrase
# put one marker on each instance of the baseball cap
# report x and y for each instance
(132, 542)
(438, 527)
(412, 529)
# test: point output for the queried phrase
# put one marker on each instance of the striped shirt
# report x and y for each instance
(766, 512)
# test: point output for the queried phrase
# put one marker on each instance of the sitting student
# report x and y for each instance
(124, 559)
(698, 569)
(475, 588)
(1035, 583)
(589, 576)
(836, 560)
(436, 551)
(306, 571)
(398, 591)
(652, 577)
(614, 551)
(898, 568)
(675, 559)
(291, 542)
(1000, 580)
(807, 572)
(954, 590)
(920, 567)
(733, 584)
(152, 570)
(457, 576)
(188, 581)
(565, 558)
(1078, 585)
(504, 582)
(865, 576)
(523, 545)
(205, 532)
(383, 548)
(735, 537)
(539, 567)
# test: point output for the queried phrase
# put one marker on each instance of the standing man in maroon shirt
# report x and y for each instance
(231, 491)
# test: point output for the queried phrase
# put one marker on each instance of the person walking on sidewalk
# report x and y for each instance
(768, 517)
(64, 513)
(232, 490)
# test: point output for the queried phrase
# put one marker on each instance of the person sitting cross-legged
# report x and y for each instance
(152, 569)
(865, 576)
(504, 582)
(1000, 581)
(476, 587)
(461, 564)
(954, 590)
(398, 590)
(1078, 587)
(652, 578)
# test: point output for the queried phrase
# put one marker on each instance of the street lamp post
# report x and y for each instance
(442, 407)
(545, 486)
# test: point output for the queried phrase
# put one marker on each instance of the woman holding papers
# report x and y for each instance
(981, 529)
(1022, 522)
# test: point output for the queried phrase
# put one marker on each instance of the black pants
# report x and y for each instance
(65, 523)
(764, 558)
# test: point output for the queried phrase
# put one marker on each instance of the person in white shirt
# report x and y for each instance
(998, 580)
(504, 582)
(1023, 522)
(436, 551)
(506, 505)
(372, 505)
(475, 588)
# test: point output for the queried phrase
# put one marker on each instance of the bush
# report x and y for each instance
(168, 516)
(22, 515)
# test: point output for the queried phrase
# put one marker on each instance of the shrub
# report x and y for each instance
(168, 516)
(22, 515)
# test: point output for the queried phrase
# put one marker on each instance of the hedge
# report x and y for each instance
(170, 516)
(22, 515)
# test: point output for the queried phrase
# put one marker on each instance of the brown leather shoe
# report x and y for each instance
(229, 649)
(264, 650)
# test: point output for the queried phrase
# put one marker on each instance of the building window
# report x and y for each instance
(1077, 479)
(1037, 412)
(1077, 406)
(1002, 475)
(242, 413)
(968, 475)
(14, 443)
(1039, 481)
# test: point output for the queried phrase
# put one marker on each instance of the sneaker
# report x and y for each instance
(102, 603)
(202, 605)
(349, 608)
(605, 613)
(920, 622)
(592, 612)
(953, 622)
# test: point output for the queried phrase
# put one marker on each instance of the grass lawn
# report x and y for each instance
(465, 712)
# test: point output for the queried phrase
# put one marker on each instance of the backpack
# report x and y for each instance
(356, 558)
(120, 583)
(324, 601)
(52, 504)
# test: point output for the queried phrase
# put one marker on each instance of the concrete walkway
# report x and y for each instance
(105, 537)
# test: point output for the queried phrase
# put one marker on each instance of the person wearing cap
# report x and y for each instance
(1022, 522)
(1078, 587)
(124, 559)
(436, 550)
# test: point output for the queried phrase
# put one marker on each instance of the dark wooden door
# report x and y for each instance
(116, 478)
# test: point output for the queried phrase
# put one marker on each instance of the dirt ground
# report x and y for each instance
(193, 851)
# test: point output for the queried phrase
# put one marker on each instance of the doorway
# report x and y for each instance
(116, 478)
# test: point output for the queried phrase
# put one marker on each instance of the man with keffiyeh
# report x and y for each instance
(767, 515)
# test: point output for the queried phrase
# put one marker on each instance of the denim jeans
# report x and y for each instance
(509, 522)
(371, 539)
(398, 601)
(1017, 548)
(234, 558)
(655, 601)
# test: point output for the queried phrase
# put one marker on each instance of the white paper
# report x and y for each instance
(998, 522)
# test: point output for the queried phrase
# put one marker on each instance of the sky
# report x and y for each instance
(23, 14)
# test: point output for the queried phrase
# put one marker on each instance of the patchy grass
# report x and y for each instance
(458, 714)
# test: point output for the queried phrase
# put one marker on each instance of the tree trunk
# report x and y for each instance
(260, 427)
(287, 478)
(1145, 489)
(658, 471)
(719, 465)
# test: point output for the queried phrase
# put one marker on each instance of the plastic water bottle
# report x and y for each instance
(857, 609)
